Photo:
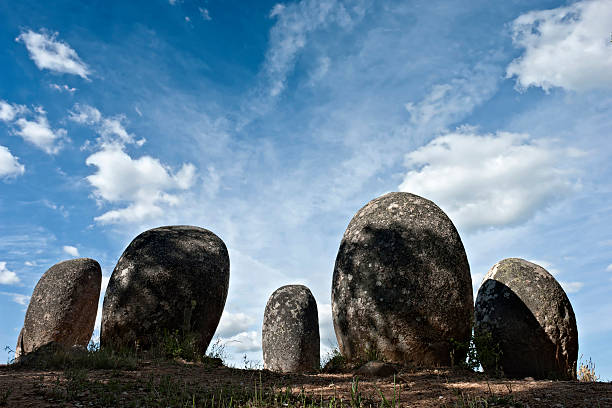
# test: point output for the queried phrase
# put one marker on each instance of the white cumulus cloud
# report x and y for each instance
(565, 47)
(9, 164)
(9, 111)
(17, 298)
(48, 52)
(145, 184)
(609, 268)
(233, 323)
(489, 180)
(38, 132)
(571, 287)
(7, 277)
(71, 250)
(243, 342)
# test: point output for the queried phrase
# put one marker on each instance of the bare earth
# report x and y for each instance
(415, 388)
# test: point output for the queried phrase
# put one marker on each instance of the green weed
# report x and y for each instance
(333, 362)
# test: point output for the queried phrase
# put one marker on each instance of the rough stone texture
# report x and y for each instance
(529, 315)
(169, 278)
(290, 333)
(401, 286)
(63, 306)
(376, 369)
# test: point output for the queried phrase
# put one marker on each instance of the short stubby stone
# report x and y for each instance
(526, 320)
(401, 288)
(169, 279)
(63, 306)
(290, 333)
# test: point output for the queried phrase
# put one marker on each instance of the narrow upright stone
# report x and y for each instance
(290, 333)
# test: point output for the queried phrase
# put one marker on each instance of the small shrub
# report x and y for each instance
(333, 362)
(460, 349)
(217, 350)
(480, 351)
(586, 371)
(250, 364)
(179, 345)
(488, 353)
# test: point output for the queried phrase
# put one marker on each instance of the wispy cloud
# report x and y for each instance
(111, 130)
(7, 277)
(290, 35)
(62, 88)
(48, 52)
(9, 164)
(479, 180)
(566, 47)
(205, 14)
(451, 101)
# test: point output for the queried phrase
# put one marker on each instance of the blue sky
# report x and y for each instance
(271, 124)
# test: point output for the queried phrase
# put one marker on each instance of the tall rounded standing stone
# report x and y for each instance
(401, 287)
(290, 333)
(63, 306)
(530, 318)
(167, 279)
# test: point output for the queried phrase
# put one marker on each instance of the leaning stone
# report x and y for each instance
(168, 279)
(401, 287)
(290, 333)
(527, 316)
(63, 306)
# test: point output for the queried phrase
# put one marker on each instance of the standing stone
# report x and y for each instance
(63, 306)
(528, 316)
(291, 331)
(168, 279)
(401, 287)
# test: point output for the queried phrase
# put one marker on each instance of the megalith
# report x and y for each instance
(168, 279)
(524, 316)
(63, 306)
(290, 332)
(401, 288)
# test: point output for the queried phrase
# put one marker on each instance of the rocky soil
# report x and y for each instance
(176, 383)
